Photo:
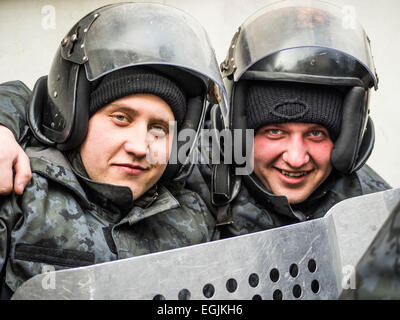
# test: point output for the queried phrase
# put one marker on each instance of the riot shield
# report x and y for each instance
(308, 260)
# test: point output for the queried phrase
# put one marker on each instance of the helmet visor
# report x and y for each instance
(132, 34)
(310, 38)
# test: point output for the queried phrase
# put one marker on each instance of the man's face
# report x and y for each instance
(120, 136)
(292, 159)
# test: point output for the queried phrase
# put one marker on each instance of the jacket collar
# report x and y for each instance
(52, 164)
(280, 204)
(275, 203)
(116, 199)
(164, 202)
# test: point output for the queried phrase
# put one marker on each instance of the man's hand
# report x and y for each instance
(12, 156)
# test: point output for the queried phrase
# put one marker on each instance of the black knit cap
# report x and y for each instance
(133, 80)
(282, 102)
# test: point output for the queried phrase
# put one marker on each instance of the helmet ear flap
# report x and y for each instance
(367, 145)
(42, 114)
(80, 116)
(37, 102)
(192, 119)
(353, 147)
(239, 112)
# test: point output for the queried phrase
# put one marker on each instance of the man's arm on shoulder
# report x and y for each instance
(14, 98)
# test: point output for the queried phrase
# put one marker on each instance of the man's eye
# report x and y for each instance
(120, 118)
(274, 131)
(317, 133)
(158, 131)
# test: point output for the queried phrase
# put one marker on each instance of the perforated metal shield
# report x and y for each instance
(309, 260)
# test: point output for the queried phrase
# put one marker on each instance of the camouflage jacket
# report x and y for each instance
(65, 220)
(14, 96)
(251, 212)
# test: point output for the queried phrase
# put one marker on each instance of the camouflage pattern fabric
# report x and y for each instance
(14, 96)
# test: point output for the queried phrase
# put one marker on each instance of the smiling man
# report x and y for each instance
(106, 161)
(301, 80)
(295, 128)
(298, 160)
(122, 123)
(103, 123)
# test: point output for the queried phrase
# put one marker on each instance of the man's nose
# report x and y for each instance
(137, 142)
(296, 153)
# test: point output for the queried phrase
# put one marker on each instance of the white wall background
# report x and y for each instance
(31, 30)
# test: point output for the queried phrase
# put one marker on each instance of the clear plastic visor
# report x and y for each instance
(132, 34)
(305, 37)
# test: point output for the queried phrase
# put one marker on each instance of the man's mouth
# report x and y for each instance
(132, 166)
(296, 174)
(131, 169)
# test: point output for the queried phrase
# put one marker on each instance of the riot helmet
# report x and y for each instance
(306, 43)
(158, 41)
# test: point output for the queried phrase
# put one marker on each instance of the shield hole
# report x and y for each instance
(184, 294)
(277, 295)
(208, 290)
(254, 280)
(256, 297)
(158, 297)
(296, 291)
(312, 265)
(315, 286)
(231, 285)
(274, 275)
(294, 270)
